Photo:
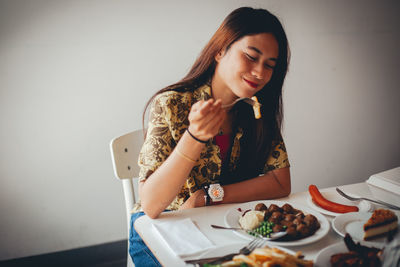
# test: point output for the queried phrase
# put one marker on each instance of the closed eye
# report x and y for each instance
(250, 57)
(268, 66)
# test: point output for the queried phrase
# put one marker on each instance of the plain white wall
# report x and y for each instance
(74, 74)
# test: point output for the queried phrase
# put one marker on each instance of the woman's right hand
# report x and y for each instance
(206, 118)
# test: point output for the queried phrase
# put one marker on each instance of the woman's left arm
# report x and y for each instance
(271, 185)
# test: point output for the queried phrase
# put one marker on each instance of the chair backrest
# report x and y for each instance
(124, 153)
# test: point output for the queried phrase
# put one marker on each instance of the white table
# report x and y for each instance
(204, 216)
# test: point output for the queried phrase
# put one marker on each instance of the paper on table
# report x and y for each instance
(183, 237)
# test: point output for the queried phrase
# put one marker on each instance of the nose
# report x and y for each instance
(258, 71)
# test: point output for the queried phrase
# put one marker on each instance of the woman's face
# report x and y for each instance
(247, 66)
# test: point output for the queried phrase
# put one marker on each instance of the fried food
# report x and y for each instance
(256, 108)
(268, 256)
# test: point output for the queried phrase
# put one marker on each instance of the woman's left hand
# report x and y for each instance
(194, 201)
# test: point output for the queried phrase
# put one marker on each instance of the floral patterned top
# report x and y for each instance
(167, 123)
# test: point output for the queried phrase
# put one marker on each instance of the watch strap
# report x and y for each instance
(207, 198)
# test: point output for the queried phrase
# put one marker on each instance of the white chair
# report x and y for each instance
(124, 153)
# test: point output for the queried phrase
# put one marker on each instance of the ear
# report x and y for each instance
(219, 56)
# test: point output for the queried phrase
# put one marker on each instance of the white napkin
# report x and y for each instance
(183, 237)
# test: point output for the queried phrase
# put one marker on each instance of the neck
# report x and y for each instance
(220, 91)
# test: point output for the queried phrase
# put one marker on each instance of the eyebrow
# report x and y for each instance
(259, 52)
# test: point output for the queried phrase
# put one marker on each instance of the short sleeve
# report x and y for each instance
(157, 145)
(278, 157)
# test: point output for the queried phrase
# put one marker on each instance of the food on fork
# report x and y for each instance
(324, 203)
(256, 108)
(358, 255)
(381, 223)
(268, 256)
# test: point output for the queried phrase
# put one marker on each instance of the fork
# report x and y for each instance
(364, 198)
(273, 236)
(246, 250)
(245, 99)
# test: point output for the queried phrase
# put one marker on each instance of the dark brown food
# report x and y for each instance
(267, 214)
(358, 255)
(299, 214)
(302, 229)
(297, 221)
(273, 208)
(291, 232)
(277, 215)
(297, 224)
(287, 223)
(289, 217)
(287, 208)
(261, 207)
(277, 228)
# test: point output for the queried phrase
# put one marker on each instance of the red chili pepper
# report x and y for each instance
(327, 204)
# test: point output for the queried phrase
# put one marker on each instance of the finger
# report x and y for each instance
(204, 127)
(200, 110)
(206, 107)
(212, 126)
(215, 124)
(213, 112)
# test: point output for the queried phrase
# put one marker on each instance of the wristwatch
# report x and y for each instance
(216, 193)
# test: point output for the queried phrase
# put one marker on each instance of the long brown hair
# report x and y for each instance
(258, 135)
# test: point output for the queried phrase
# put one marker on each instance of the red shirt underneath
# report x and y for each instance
(223, 141)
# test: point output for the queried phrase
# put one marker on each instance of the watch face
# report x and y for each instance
(216, 192)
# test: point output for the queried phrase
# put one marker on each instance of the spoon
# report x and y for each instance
(245, 99)
(273, 236)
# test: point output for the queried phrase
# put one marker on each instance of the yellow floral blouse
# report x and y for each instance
(167, 123)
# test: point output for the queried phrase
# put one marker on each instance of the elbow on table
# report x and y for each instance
(286, 191)
(150, 211)
(285, 182)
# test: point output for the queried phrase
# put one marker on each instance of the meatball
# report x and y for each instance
(273, 208)
(274, 220)
(299, 215)
(277, 215)
(261, 207)
(289, 217)
(287, 208)
(277, 228)
(287, 223)
(291, 231)
(267, 214)
(310, 220)
(297, 221)
(303, 230)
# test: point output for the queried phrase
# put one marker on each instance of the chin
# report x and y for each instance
(245, 91)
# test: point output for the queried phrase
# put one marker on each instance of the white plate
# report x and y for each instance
(353, 223)
(231, 248)
(233, 215)
(324, 256)
(363, 206)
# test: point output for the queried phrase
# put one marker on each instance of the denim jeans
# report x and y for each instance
(140, 253)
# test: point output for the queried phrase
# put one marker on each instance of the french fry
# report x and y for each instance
(256, 108)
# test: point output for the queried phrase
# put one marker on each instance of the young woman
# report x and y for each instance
(198, 152)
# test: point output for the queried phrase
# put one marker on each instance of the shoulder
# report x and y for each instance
(170, 99)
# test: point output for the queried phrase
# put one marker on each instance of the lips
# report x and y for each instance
(252, 84)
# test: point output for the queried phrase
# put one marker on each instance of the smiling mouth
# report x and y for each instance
(254, 85)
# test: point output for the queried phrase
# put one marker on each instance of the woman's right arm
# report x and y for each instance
(163, 185)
